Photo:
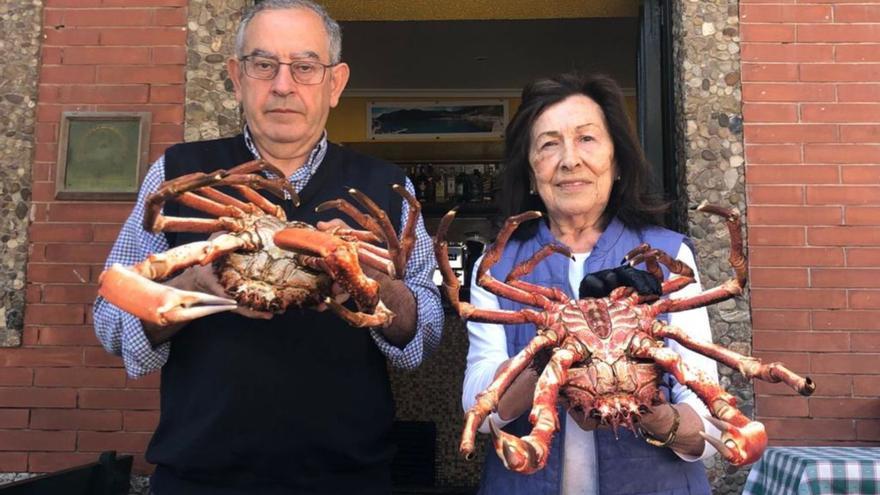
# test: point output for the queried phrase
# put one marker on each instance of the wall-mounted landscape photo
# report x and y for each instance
(390, 121)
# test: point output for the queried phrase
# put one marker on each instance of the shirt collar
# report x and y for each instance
(304, 173)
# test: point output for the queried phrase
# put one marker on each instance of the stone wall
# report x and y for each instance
(710, 155)
(20, 24)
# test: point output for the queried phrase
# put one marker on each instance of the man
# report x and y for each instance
(299, 403)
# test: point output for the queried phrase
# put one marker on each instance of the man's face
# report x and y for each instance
(282, 111)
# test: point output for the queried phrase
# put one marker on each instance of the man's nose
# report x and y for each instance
(283, 84)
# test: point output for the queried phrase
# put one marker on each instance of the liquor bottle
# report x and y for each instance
(488, 178)
(421, 184)
(430, 184)
(440, 186)
(462, 189)
(476, 182)
(450, 184)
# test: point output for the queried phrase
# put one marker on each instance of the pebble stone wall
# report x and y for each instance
(20, 44)
(710, 146)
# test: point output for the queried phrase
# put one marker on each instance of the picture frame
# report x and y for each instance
(102, 155)
(436, 119)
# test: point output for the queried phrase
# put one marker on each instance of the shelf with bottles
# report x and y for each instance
(442, 185)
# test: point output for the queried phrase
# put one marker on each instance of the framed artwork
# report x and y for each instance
(430, 120)
(102, 155)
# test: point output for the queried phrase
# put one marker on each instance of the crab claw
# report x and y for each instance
(154, 302)
(739, 445)
(522, 455)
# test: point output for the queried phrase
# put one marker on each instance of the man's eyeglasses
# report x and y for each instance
(302, 71)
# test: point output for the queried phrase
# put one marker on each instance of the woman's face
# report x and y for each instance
(572, 159)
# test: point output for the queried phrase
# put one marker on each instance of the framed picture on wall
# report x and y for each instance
(430, 120)
(102, 155)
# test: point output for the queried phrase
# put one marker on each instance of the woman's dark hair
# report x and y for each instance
(630, 198)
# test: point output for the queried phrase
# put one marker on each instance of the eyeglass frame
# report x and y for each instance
(324, 66)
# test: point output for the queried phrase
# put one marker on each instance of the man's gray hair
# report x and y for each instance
(334, 33)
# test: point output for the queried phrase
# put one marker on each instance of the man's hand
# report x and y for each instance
(393, 292)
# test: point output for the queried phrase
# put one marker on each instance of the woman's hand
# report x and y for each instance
(658, 423)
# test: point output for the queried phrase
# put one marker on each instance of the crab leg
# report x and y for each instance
(529, 454)
(527, 266)
(650, 256)
(381, 317)
(487, 400)
(742, 440)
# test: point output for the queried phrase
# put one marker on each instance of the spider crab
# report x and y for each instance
(606, 355)
(264, 261)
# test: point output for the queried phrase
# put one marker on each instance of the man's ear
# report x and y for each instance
(338, 80)
(233, 66)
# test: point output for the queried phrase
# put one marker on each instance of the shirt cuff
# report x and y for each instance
(138, 354)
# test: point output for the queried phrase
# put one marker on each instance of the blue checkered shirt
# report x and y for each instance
(123, 334)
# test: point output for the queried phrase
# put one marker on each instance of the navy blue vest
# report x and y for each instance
(627, 465)
(297, 404)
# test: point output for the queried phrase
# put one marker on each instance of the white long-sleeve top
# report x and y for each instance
(488, 349)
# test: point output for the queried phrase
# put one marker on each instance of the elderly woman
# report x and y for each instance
(572, 154)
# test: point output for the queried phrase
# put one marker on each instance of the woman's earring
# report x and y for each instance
(617, 178)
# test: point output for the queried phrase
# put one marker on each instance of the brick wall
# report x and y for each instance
(63, 399)
(811, 106)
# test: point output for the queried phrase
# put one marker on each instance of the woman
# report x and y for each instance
(571, 153)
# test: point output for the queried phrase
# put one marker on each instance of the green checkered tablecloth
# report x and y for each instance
(815, 471)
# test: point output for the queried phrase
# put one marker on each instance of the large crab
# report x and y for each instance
(606, 355)
(264, 261)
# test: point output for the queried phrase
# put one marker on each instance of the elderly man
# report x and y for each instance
(299, 403)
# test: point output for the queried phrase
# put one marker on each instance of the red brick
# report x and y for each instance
(863, 257)
(89, 212)
(146, 3)
(66, 232)
(790, 133)
(68, 335)
(794, 92)
(793, 174)
(842, 153)
(777, 236)
(140, 420)
(46, 132)
(108, 17)
(49, 314)
(826, 386)
(767, 32)
(860, 174)
(13, 419)
(13, 462)
(784, 13)
(845, 277)
(783, 407)
(69, 293)
(63, 74)
(857, 53)
(773, 154)
(77, 253)
(774, 52)
(843, 236)
(809, 429)
(98, 357)
(844, 408)
(56, 272)
(46, 151)
(797, 256)
(801, 341)
(836, 33)
(66, 37)
(49, 462)
(846, 320)
(119, 399)
(144, 36)
(162, 74)
(75, 419)
(170, 17)
(845, 113)
(866, 342)
(106, 232)
(799, 362)
(150, 381)
(51, 55)
(845, 363)
(16, 376)
(771, 112)
(778, 277)
(37, 397)
(89, 441)
(40, 356)
(769, 72)
(162, 113)
(796, 215)
(862, 72)
(798, 298)
(80, 377)
(166, 133)
(867, 429)
(864, 299)
(866, 385)
(780, 320)
(856, 13)
(38, 440)
(167, 94)
(169, 55)
(33, 294)
(780, 195)
(846, 195)
(862, 215)
(867, 133)
(106, 55)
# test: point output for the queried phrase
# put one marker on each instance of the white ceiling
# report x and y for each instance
(492, 56)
